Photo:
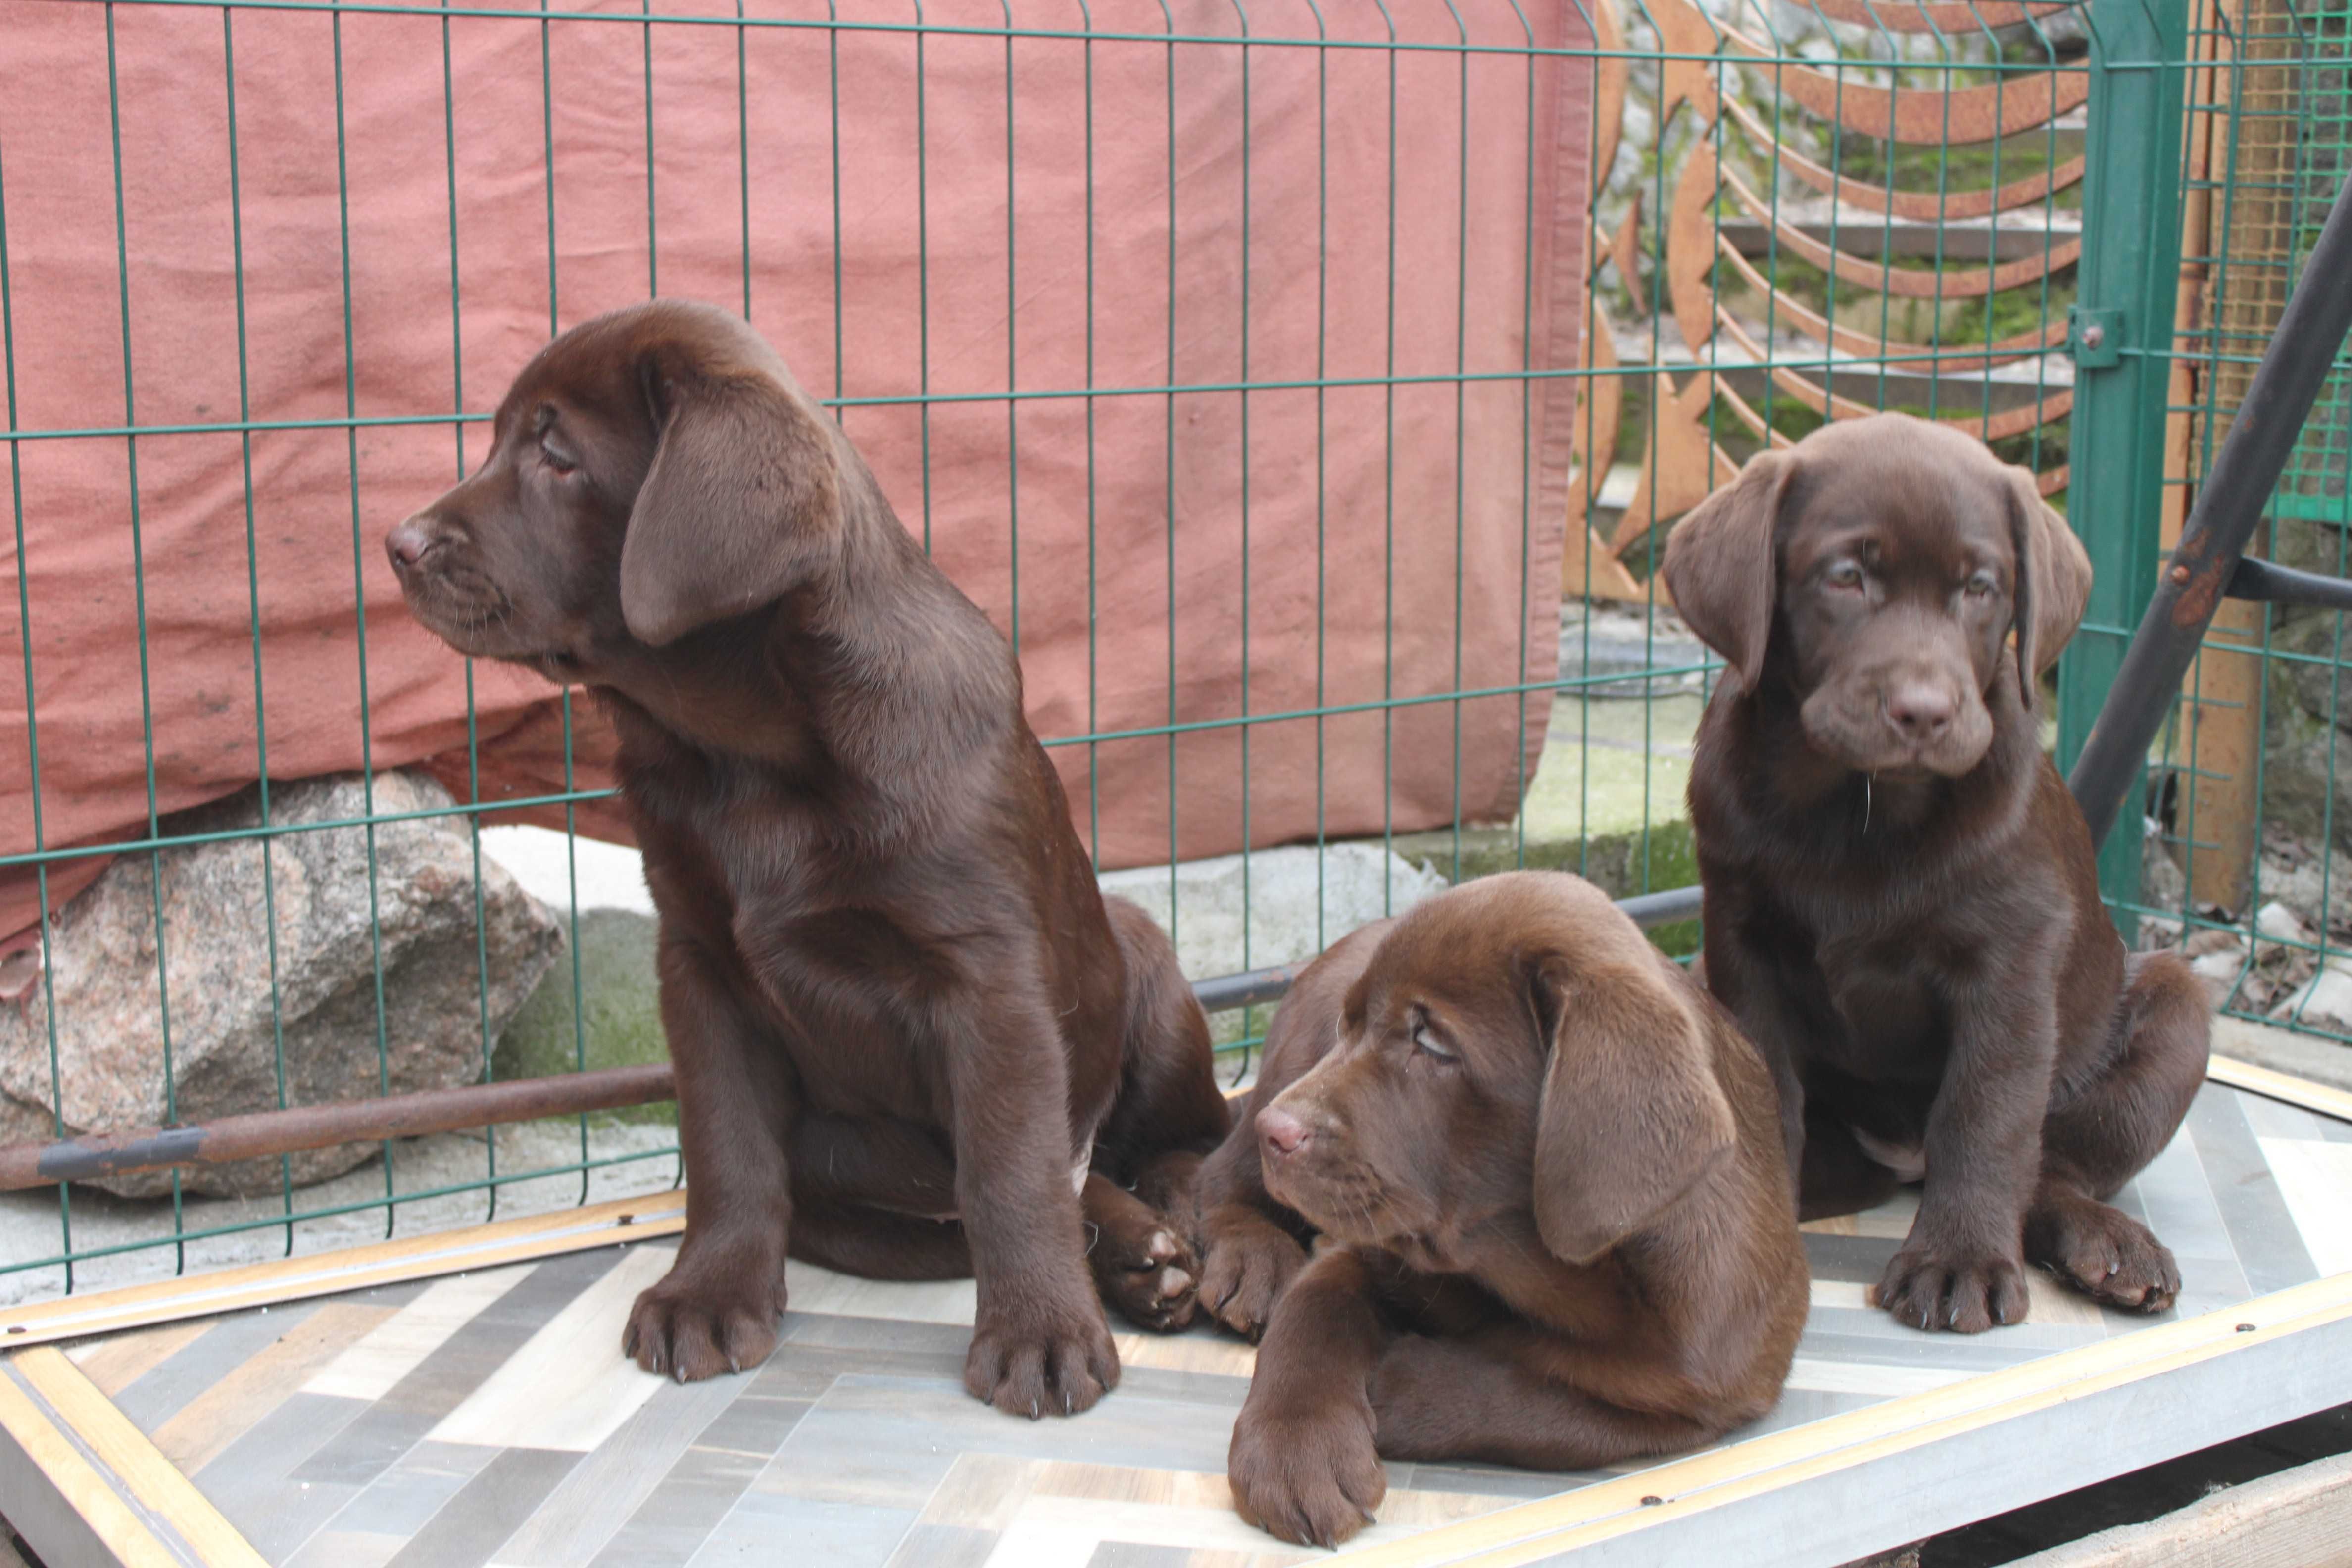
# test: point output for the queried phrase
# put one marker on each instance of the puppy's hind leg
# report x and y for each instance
(1488, 1397)
(1141, 1264)
(874, 1196)
(1143, 1243)
(2103, 1131)
(1838, 1177)
(877, 1244)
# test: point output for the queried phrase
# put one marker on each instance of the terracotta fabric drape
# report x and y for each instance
(949, 217)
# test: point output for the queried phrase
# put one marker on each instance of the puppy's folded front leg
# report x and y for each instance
(1247, 1260)
(1039, 1342)
(1304, 1464)
(716, 1309)
(1963, 1266)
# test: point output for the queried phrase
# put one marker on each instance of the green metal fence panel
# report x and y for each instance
(1332, 222)
(2121, 331)
(2244, 866)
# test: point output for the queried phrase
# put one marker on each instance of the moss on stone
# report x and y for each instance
(619, 1011)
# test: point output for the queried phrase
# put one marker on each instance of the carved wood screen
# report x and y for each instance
(1810, 211)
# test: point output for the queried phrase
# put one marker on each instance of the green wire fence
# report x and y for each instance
(2242, 854)
(1305, 390)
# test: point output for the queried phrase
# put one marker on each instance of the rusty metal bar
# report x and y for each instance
(2267, 583)
(2236, 492)
(264, 1133)
(268, 1132)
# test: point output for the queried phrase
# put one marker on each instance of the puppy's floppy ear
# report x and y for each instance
(1722, 567)
(2053, 579)
(1631, 1117)
(742, 499)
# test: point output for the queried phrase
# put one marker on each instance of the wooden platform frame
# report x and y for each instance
(84, 1486)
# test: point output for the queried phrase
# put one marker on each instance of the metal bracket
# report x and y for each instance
(2094, 339)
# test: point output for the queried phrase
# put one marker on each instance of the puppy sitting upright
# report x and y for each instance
(1902, 903)
(910, 1037)
(1549, 1182)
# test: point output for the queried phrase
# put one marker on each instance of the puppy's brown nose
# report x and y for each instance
(1920, 709)
(1283, 1133)
(408, 544)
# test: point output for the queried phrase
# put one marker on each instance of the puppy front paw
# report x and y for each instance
(703, 1319)
(1044, 1359)
(1247, 1262)
(1307, 1471)
(1938, 1288)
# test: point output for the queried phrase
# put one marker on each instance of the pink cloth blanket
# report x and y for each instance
(1161, 559)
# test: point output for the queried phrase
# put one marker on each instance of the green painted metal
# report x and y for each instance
(2131, 260)
(2134, 62)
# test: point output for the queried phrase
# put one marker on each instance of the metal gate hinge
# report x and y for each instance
(2094, 339)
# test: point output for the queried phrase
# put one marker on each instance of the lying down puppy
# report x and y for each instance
(1548, 1173)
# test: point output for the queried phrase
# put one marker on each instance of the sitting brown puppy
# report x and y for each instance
(1901, 903)
(911, 1039)
(1555, 1214)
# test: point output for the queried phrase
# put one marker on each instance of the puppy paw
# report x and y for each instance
(1308, 1473)
(1148, 1278)
(1247, 1263)
(1048, 1361)
(1929, 1288)
(2104, 1253)
(698, 1322)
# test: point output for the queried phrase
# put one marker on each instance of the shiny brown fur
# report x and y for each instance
(1553, 1204)
(1901, 903)
(898, 1009)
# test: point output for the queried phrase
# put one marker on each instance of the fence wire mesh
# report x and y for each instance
(2245, 832)
(1305, 394)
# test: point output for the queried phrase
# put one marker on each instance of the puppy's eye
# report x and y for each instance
(1981, 586)
(558, 456)
(1425, 1044)
(1845, 575)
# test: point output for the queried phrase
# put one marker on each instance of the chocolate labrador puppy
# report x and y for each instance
(911, 1039)
(1900, 900)
(1553, 1206)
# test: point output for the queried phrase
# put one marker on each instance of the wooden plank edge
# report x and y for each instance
(2299, 1516)
(346, 1268)
(59, 1502)
(2272, 1084)
(1679, 1489)
(135, 1461)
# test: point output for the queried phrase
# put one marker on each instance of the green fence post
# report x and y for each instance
(2121, 342)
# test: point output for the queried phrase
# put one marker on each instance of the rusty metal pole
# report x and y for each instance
(2235, 495)
(268, 1132)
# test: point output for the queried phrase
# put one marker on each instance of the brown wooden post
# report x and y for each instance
(2219, 737)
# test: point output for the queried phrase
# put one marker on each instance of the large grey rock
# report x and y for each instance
(332, 926)
(2307, 756)
(2306, 774)
(1282, 890)
(604, 1014)
(2295, 874)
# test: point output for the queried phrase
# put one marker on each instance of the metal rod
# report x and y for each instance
(264, 1133)
(2236, 490)
(2264, 582)
(268, 1132)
